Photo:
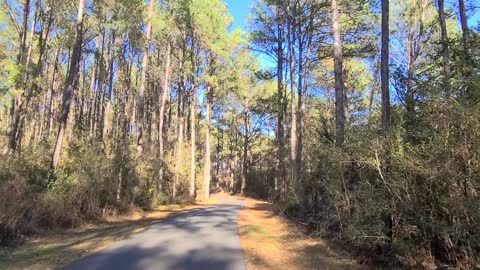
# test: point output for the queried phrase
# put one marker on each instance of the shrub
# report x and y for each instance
(386, 194)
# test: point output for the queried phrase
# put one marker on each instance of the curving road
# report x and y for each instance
(205, 238)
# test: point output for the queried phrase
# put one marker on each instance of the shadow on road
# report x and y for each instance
(202, 238)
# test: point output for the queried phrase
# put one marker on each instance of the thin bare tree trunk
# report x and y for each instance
(293, 121)
(92, 95)
(32, 35)
(23, 34)
(208, 161)
(339, 83)
(178, 154)
(445, 48)
(385, 71)
(410, 99)
(161, 115)
(191, 190)
(51, 102)
(245, 147)
(465, 29)
(99, 93)
(280, 175)
(141, 91)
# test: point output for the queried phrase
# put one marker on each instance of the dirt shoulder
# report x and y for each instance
(56, 249)
(273, 242)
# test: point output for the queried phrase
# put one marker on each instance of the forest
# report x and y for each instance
(360, 119)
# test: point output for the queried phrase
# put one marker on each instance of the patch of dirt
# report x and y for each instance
(273, 242)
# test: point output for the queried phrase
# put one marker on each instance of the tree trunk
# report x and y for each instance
(32, 35)
(208, 161)
(293, 133)
(385, 71)
(445, 49)
(141, 91)
(51, 109)
(280, 175)
(70, 85)
(178, 154)
(44, 38)
(92, 88)
(339, 84)
(414, 46)
(465, 29)
(23, 33)
(245, 147)
(191, 191)
(18, 102)
(161, 115)
(410, 98)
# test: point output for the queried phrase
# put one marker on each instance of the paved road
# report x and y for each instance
(200, 239)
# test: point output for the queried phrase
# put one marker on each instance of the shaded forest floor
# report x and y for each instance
(273, 242)
(58, 248)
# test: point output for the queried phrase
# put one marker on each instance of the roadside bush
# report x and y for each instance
(396, 198)
(88, 185)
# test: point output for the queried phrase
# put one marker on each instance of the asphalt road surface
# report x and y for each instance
(205, 238)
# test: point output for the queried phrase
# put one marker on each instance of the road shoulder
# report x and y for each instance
(273, 242)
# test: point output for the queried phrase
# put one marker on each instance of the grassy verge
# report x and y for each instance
(56, 249)
(272, 242)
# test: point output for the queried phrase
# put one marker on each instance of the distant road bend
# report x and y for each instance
(205, 238)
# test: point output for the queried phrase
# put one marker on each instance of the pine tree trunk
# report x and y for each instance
(410, 98)
(191, 190)
(32, 35)
(300, 109)
(53, 86)
(465, 29)
(141, 91)
(385, 71)
(293, 129)
(70, 85)
(23, 33)
(161, 115)
(445, 48)
(178, 154)
(208, 161)
(245, 148)
(44, 38)
(339, 82)
(92, 95)
(18, 102)
(280, 175)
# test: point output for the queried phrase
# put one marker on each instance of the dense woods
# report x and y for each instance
(360, 118)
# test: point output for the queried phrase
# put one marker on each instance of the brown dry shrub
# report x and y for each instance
(391, 197)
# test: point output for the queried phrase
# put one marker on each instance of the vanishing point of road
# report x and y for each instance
(204, 238)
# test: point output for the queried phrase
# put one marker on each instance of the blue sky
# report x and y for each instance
(239, 10)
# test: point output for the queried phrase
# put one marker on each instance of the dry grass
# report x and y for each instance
(272, 242)
(56, 249)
